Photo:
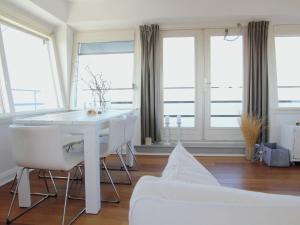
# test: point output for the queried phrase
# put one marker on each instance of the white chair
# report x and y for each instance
(104, 131)
(130, 121)
(129, 134)
(71, 142)
(113, 145)
(41, 147)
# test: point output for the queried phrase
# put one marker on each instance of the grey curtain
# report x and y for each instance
(258, 74)
(150, 83)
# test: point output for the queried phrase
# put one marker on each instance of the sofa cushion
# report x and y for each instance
(160, 202)
(182, 166)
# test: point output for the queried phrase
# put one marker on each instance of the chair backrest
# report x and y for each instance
(116, 134)
(38, 147)
(130, 127)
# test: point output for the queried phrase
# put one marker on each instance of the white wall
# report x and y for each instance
(64, 46)
(7, 167)
(57, 8)
(280, 118)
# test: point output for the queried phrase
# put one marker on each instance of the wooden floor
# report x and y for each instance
(231, 172)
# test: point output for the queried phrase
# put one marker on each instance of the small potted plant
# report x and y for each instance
(251, 128)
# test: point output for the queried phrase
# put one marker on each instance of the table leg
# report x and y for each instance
(92, 170)
(24, 189)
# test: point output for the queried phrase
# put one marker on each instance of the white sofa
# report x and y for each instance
(188, 194)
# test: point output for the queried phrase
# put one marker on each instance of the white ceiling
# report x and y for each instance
(104, 14)
(85, 14)
(84, 0)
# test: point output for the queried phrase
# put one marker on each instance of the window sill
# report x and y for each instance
(10, 116)
(197, 144)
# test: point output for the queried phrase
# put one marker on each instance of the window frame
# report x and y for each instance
(111, 89)
(101, 36)
(196, 132)
(2, 108)
(279, 31)
(169, 88)
(221, 133)
(6, 90)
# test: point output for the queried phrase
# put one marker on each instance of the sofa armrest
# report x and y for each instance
(160, 202)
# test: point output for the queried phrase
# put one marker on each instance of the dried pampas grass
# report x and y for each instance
(251, 128)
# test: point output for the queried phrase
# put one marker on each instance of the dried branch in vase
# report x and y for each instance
(98, 86)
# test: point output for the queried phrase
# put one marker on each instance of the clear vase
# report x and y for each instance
(102, 107)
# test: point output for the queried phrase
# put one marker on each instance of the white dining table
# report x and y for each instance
(89, 126)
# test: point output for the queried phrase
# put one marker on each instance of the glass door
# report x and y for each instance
(223, 86)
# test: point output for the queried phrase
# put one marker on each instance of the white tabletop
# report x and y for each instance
(73, 117)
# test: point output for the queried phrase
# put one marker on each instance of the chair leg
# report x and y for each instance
(75, 175)
(46, 183)
(8, 221)
(45, 196)
(13, 184)
(113, 185)
(12, 191)
(135, 168)
(52, 180)
(119, 154)
(66, 201)
(80, 171)
(59, 177)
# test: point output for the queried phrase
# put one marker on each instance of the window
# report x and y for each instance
(29, 70)
(226, 81)
(288, 71)
(1, 89)
(115, 60)
(179, 79)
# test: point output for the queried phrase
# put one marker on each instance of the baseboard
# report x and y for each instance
(194, 154)
(7, 176)
(227, 149)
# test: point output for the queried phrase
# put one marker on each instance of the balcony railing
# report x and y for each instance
(285, 101)
(192, 102)
(117, 102)
(32, 103)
